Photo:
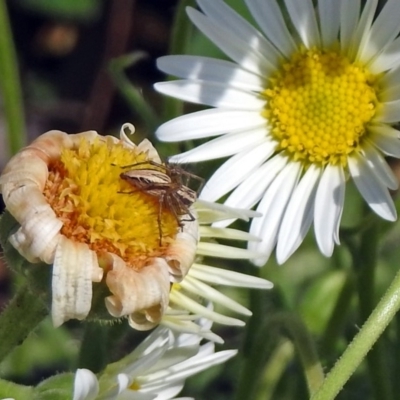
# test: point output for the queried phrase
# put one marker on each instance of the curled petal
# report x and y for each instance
(181, 253)
(75, 267)
(141, 294)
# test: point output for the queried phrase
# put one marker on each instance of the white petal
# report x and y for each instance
(272, 206)
(371, 188)
(388, 80)
(328, 208)
(269, 18)
(329, 17)
(252, 189)
(298, 215)
(388, 59)
(380, 166)
(390, 93)
(197, 364)
(211, 94)
(239, 48)
(225, 16)
(222, 251)
(212, 70)
(208, 123)
(123, 382)
(225, 233)
(363, 31)
(386, 138)
(384, 29)
(349, 15)
(193, 306)
(219, 276)
(236, 170)
(223, 146)
(86, 385)
(389, 112)
(73, 268)
(303, 17)
(199, 288)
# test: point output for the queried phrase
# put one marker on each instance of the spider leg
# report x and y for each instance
(160, 206)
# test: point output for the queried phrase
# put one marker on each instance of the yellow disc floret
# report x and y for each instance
(102, 210)
(319, 105)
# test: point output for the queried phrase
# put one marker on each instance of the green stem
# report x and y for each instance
(362, 343)
(19, 319)
(365, 262)
(10, 85)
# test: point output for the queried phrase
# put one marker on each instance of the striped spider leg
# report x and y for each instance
(167, 183)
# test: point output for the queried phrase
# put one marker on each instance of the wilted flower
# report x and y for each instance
(305, 106)
(76, 213)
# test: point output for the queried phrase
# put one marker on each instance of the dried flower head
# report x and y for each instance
(76, 213)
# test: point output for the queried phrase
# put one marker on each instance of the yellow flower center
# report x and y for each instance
(102, 210)
(319, 105)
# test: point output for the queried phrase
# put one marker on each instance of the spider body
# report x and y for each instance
(167, 183)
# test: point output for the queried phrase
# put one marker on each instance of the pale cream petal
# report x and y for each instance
(74, 267)
(182, 252)
(37, 239)
(143, 294)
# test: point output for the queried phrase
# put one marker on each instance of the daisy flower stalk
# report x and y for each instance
(307, 103)
(115, 249)
(156, 369)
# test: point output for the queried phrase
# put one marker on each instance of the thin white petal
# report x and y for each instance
(251, 190)
(388, 59)
(236, 170)
(329, 18)
(386, 138)
(219, 276)
(211, 94)
(198, 288)
(380, 166)
(390, 93)
(223, 15)
(303, 17)
(222, 251)
(269, 18)
(225, 233)
(211, 70)
(298, 215)
(272, 206)
(223, 146)
(389, 79)
(86, 385)
(239, 49)
(349, 15)
(208, 123)
(189, 304)
(363, 31)
(328, 208)
(371, 188)
(389, 112)
(384, 29)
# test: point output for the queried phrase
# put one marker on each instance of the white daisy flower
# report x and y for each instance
(156, 369)
(305, 105)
